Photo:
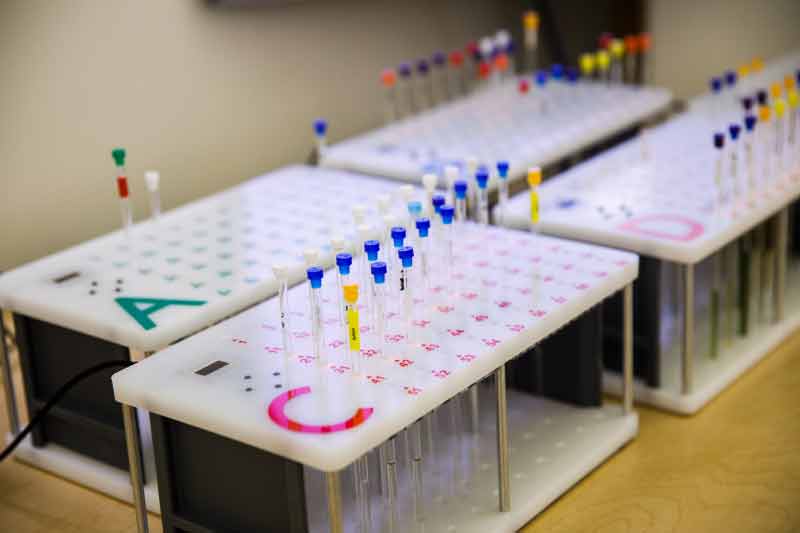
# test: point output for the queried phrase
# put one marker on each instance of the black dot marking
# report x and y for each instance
(247, 376)
(94, 284)
(278, 386)
(117, 290)
(276, 373)
(119, 280)
(249, 389)
(92, 292)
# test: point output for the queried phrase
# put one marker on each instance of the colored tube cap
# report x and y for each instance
(119, 156)
(602, 59)
(557, 71)
(761, 97)
(523, 86)
(719, 140)
(423, 226)
(439, 59)
(586, 62)
(540, 78)
(447, 212)
(314, 275)
(414, 208)
(456, 58)
(749, 122)
(530, 20)
(763, 114)
(775, 90)
(617, 48)
(482, 177)
(437, 201)
(404, 69)
(747, 103)
(398, 235)
(343, 261)
(716, 84)
(350, 293)
(406, 255)
(534, 176)
(320, 127)
(604, 41)
(423, 67)
(780, 107)
(371, 248)
(388, 77)
(378, 270)
(572, 74)
(734, 130)
(460, 187)
(730, 78)
(792, 98)
(502, 169)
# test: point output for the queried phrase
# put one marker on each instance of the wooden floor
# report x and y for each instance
(733, 467)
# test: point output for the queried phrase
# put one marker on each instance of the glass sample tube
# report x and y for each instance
(780, 112)
(749, 156)
(281, 273)
(416, 470)
(361, 486)
(794, 117)
(389, 83)
(353, 334)
(733, 150)
(320, 135)
(447, 213)
(439, 77)
(398, 235)
(343, 263)
(423, 227)
(406, 287)
(151, 180)
(423, 91)
(390, 452)
(378, 269)
(460, 189)
(456, 81)
(534, 179)
(482, 179)
(122, 190)
(405, 90)
(371, 250)
(314, 275)
(541, 93)
(603, 61)
(764, 117)
(617, 49)
(586, 62)
(502, 196)
(530, 27)
(451, 174)
(719, 144)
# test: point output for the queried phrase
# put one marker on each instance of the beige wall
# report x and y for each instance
(693, 39)
(211, 96)
(208, 96)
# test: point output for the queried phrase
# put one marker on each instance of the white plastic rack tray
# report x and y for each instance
(511, 291)
(657, 196)
(190, 268)
(539, 128)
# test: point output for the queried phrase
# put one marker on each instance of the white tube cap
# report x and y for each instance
(281, 271)
(429, 182)
(384, 201)
(311, 256)
(359, 213)
(151, 179)
(364, 231)
(472, 166)
(338, 243)
(406, 192)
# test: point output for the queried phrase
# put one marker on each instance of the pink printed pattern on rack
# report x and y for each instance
(693, 229)
(277, 407)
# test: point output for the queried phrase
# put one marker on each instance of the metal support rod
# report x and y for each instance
(504, 480)
(688, 329)
(781, 242)
(334, 502)
(133, 444)
(12, 411)
(627, 347)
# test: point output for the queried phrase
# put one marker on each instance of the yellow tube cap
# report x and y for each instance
(587, 64)
(602, 59)
(775, 89)
(350, 293)
(792, 97)
(743, 71)
(757, 64)
(617, 48)
(534, 176)
(530, 20)
(780, 107)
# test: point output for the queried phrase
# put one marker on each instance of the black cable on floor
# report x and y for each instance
(65, 388)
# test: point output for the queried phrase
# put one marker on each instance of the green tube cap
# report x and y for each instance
(119, 156)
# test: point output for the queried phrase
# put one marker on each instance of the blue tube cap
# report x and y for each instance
(750, 122)
(557, 71)
(447, 212)
(719, 140)
(398, 236)
(540, 78)
(572, 74)
(423, 67)
(460, 187)
(406, 254)
(371, 248)
(734, 130)
(747, 103)
(378, 269)
(343, 261)
(404, 69)
(320, 127)
(314, 275)
(730, 78)
(482, 177)
(437, 201)
(716, 85)
(415, 208)
(502, 169)
(423, 225)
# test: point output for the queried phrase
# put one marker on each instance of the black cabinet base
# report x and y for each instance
(208, 483)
